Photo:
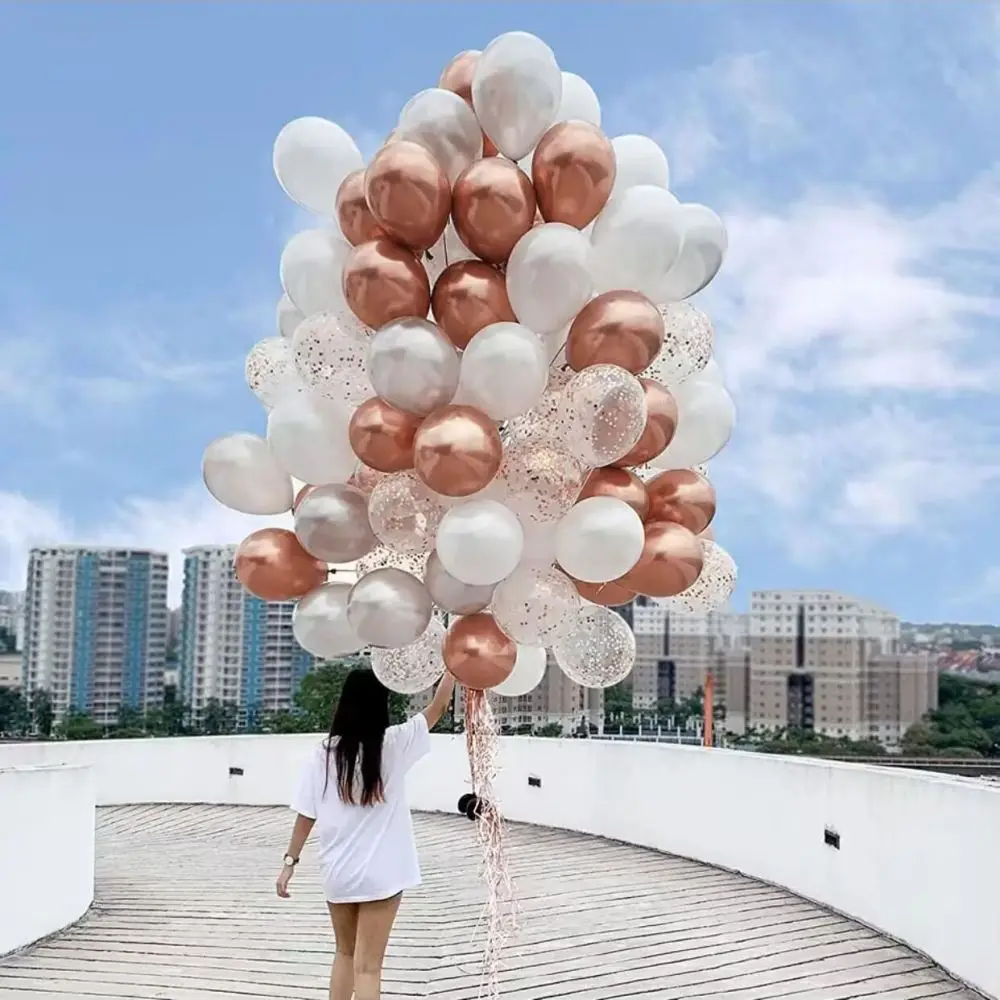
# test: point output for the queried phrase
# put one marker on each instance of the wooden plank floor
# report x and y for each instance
(186, 910)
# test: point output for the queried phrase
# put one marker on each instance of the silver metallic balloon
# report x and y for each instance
(413, 365)
(320, 625)
(331, 522)
(452, 595)
(389, 608)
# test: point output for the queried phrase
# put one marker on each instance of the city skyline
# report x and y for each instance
(96, 628)
(854, 313)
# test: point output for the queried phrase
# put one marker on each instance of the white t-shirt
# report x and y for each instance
(366, 852)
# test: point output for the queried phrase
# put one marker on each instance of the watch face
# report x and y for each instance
(289, 860)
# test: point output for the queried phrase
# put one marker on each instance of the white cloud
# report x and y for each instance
(186, 517)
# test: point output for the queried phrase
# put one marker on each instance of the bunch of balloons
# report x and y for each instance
(489, 386)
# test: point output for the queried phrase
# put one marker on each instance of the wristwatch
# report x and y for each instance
(290, 862)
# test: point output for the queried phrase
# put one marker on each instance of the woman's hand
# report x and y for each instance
(283, 879)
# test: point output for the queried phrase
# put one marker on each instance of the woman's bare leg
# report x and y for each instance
(344, 917)
(375, 922)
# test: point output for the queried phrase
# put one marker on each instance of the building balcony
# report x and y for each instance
(642, 870)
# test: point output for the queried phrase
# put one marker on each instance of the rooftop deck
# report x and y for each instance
(185, 910)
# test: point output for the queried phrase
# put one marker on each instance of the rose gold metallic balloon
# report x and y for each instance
(617, 328)
(300, 496)
(671, 561)
(683, 497)
(573, 170)
(457, 75)
(383, 281)
(468, 296)
(457, 451)
(477, 653)
(610, 595)
(273, 566)
(661, 424)
(382, 436)
(355, 217)
(493, 206)
(620, 484)
(409, 194)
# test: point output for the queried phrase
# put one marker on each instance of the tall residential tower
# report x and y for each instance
(234, 647)
(95, 629)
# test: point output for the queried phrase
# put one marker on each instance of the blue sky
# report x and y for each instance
(851, 148)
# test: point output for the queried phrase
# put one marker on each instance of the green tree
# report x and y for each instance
(79, 726)
(967, 719)
(549, 730)
(42, 713)
(8, 641)
(172, 718)
(131, 724)
(218, 718)
(320, 691)
(15, 717)
(286, 722)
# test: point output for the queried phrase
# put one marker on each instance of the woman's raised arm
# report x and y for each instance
(441, 700)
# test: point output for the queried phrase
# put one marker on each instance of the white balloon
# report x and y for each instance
(548, 276)
(516, 91)
(311, 158)
(638, 160)
(312, 268)
(599, 540)
(705, 420)
(702, 253)
(712, 372)
(636, 240)
(579, 102)
(413, 365)
(289, 317)
(308, 436)
(446, 126)
(320, 625)
(480, 542)
(504, 370)
(529, 669)
(242, 474)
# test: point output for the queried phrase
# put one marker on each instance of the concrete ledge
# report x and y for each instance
(47, 823)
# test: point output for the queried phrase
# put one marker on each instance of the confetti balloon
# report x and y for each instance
(599, 652)
(413, 668)
(536, 606)
(607, 407)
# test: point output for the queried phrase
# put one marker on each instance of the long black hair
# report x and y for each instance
(360, 720)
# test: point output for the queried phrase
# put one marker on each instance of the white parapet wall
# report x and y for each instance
(910, 853)
(46, 850)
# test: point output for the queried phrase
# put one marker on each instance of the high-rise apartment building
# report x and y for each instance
(234, 647)
(814, 660)
(829, 662)
(12, 616)
(96, 629)
(676, 652)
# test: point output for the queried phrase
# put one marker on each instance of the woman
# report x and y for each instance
(353, 787)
